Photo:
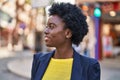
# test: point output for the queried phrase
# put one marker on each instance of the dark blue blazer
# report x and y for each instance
(84, 68)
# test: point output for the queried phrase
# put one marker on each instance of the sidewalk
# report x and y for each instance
(22, 66)
(110, 68)
(22, 62)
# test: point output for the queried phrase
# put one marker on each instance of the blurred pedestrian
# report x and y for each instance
(66, 25)
(15, 37)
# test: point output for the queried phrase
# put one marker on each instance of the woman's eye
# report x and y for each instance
(51, 26)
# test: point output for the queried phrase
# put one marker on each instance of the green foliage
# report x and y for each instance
(28, 1)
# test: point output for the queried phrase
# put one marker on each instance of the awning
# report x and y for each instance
(111, 19)
(81, 1)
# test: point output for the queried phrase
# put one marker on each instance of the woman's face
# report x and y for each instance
(55, 32)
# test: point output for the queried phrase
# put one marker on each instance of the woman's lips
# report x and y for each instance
(46, 38)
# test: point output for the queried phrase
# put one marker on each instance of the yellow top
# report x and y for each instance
(59, 69)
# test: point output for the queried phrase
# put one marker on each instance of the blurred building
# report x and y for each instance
(17, 22)
(22, 26)
(105, 15)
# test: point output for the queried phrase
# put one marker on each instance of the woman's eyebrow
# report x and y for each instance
(52, 24)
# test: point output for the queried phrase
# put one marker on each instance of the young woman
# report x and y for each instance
(66, 26)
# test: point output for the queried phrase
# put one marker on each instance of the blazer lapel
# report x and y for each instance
(77, 68)
(44, 61)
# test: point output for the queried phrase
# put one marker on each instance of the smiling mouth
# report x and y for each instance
(46, 38)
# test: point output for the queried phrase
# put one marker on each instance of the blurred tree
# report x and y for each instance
(28, 1)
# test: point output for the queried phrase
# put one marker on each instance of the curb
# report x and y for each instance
(110, 63)
(21, 67)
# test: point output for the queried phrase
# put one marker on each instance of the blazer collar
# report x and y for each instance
(43, 63)
(76, 68)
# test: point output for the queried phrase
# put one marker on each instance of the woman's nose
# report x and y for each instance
(46, 31)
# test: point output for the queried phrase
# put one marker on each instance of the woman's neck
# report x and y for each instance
(63, 53)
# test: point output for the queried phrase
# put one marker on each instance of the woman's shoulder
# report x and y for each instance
(88, 60)
(84, 59)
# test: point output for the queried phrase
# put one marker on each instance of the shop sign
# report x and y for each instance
(66, 1)
(111, 19)
(40, 3)
(81, 1)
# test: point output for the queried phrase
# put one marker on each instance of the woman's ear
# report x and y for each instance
(68, 33)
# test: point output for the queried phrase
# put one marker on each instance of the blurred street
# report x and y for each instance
(17, 65)
(22, 23)
(110, 69)
(8, 56)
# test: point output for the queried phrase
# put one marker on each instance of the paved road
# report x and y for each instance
(5, 57)
(110, 69)
(111, 74)
(5, 74)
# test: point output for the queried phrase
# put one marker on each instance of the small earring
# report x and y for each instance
(67, 36)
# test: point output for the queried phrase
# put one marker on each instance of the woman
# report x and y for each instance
(66, 26)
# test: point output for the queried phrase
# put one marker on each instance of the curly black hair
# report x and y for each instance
(73, 18)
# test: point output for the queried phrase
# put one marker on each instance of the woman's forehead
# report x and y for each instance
(55, 19)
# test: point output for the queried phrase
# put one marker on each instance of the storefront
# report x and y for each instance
(106, 18)
(111, 19)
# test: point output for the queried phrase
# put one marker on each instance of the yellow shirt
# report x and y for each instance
(59, 69)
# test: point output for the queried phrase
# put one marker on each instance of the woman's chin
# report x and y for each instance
(48, 45)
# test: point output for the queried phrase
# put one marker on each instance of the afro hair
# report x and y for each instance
(73, 18)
